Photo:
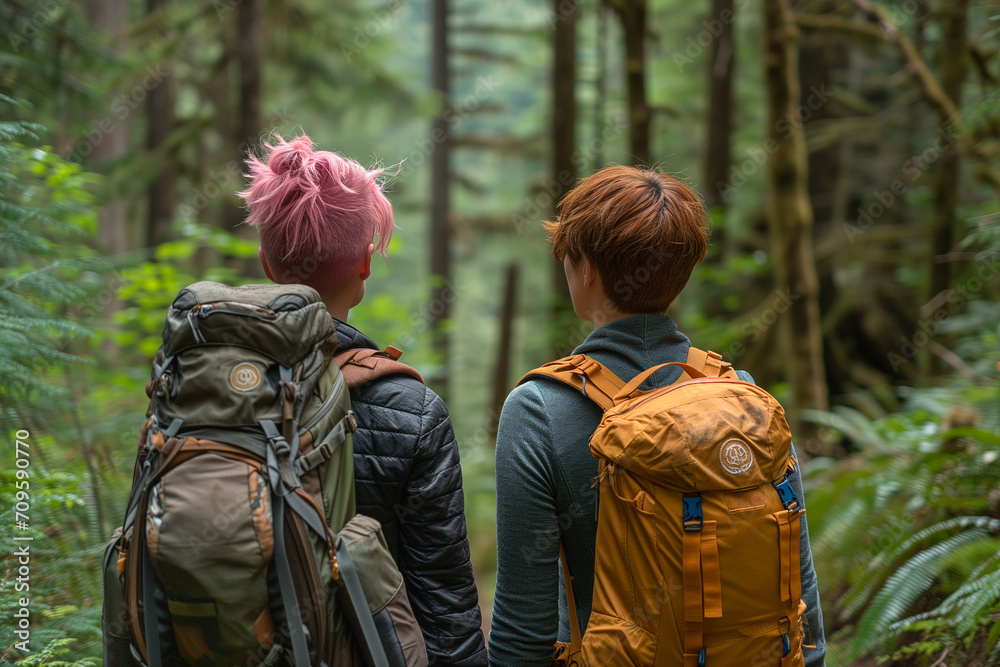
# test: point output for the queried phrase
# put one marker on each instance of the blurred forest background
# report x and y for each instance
(848, 150)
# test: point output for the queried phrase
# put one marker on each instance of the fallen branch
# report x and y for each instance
(956, 362)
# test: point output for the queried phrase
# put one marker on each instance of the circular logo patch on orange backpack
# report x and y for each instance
(245, 377)
(736, 456)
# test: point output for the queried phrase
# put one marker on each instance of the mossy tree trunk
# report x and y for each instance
(954, 63)
(790, 217)
(633, 17)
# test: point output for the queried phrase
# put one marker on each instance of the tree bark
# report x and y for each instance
(633, 17)
(821, 56)
(162, 190)
(953, 58)
(791, 216)
(225, 213)
(248, 51)
(720, 66)
(501, 386)
(110, 18)
(440, 302)
(249, 46)
(601, 85)
(563, 174)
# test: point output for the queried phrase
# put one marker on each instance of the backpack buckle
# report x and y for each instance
(313, 459)
(692, 517)
(786, 494)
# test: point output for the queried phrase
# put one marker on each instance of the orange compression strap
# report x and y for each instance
(693, 611)
(575, 640)
(784, 549)
(790, 583)
(711, 572)
(795, 562)
(583, 374)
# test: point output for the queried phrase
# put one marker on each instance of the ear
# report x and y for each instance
(589, 271)
(366, 263)
(263, 263)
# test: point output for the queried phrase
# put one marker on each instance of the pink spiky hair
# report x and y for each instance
(315, 211)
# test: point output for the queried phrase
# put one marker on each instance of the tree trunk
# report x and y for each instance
(721, 63)
(501, 380)
(601, 86)
(440, 303)
(248, 46)
(791, 216)
(954, 47)
(220, 210)
(162, 191)
(249, 127)
(563, 175)
(821, 55)
(633, 17)
(110, 17)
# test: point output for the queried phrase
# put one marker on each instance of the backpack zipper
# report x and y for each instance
(234, 308)
(327, 405)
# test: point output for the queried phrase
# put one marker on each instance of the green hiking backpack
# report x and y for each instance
(240, 544)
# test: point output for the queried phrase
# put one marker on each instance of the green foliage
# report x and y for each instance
(906, 530)
(52, 655)
(148, 288)
(45, 213)
(904, 526)
(65, 559)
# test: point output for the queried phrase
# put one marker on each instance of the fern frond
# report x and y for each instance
(858, 595)
(904, 586)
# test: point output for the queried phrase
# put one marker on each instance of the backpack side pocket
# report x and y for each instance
(385, 592)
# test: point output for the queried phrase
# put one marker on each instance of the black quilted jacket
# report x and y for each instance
(408, 476)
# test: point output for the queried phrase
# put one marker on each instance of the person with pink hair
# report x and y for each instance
(321, 217)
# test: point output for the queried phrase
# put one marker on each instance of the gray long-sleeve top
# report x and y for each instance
(544, 474)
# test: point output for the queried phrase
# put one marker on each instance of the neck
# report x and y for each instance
(338, 310)
(340, 301)
(601, 317)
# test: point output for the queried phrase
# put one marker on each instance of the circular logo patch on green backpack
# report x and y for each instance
(245, 377)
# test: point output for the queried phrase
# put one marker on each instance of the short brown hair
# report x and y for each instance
(644, 231)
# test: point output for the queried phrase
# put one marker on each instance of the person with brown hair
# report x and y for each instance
(629, 239)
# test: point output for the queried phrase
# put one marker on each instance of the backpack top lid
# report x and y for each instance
(284, 321)
(699, 435)
(706, 431)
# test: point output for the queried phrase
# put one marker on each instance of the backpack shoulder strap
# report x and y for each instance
(576, 640)
(364, 364)
(710, 363)
(583, 373)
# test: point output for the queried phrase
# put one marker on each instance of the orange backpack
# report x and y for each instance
(697, 555)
